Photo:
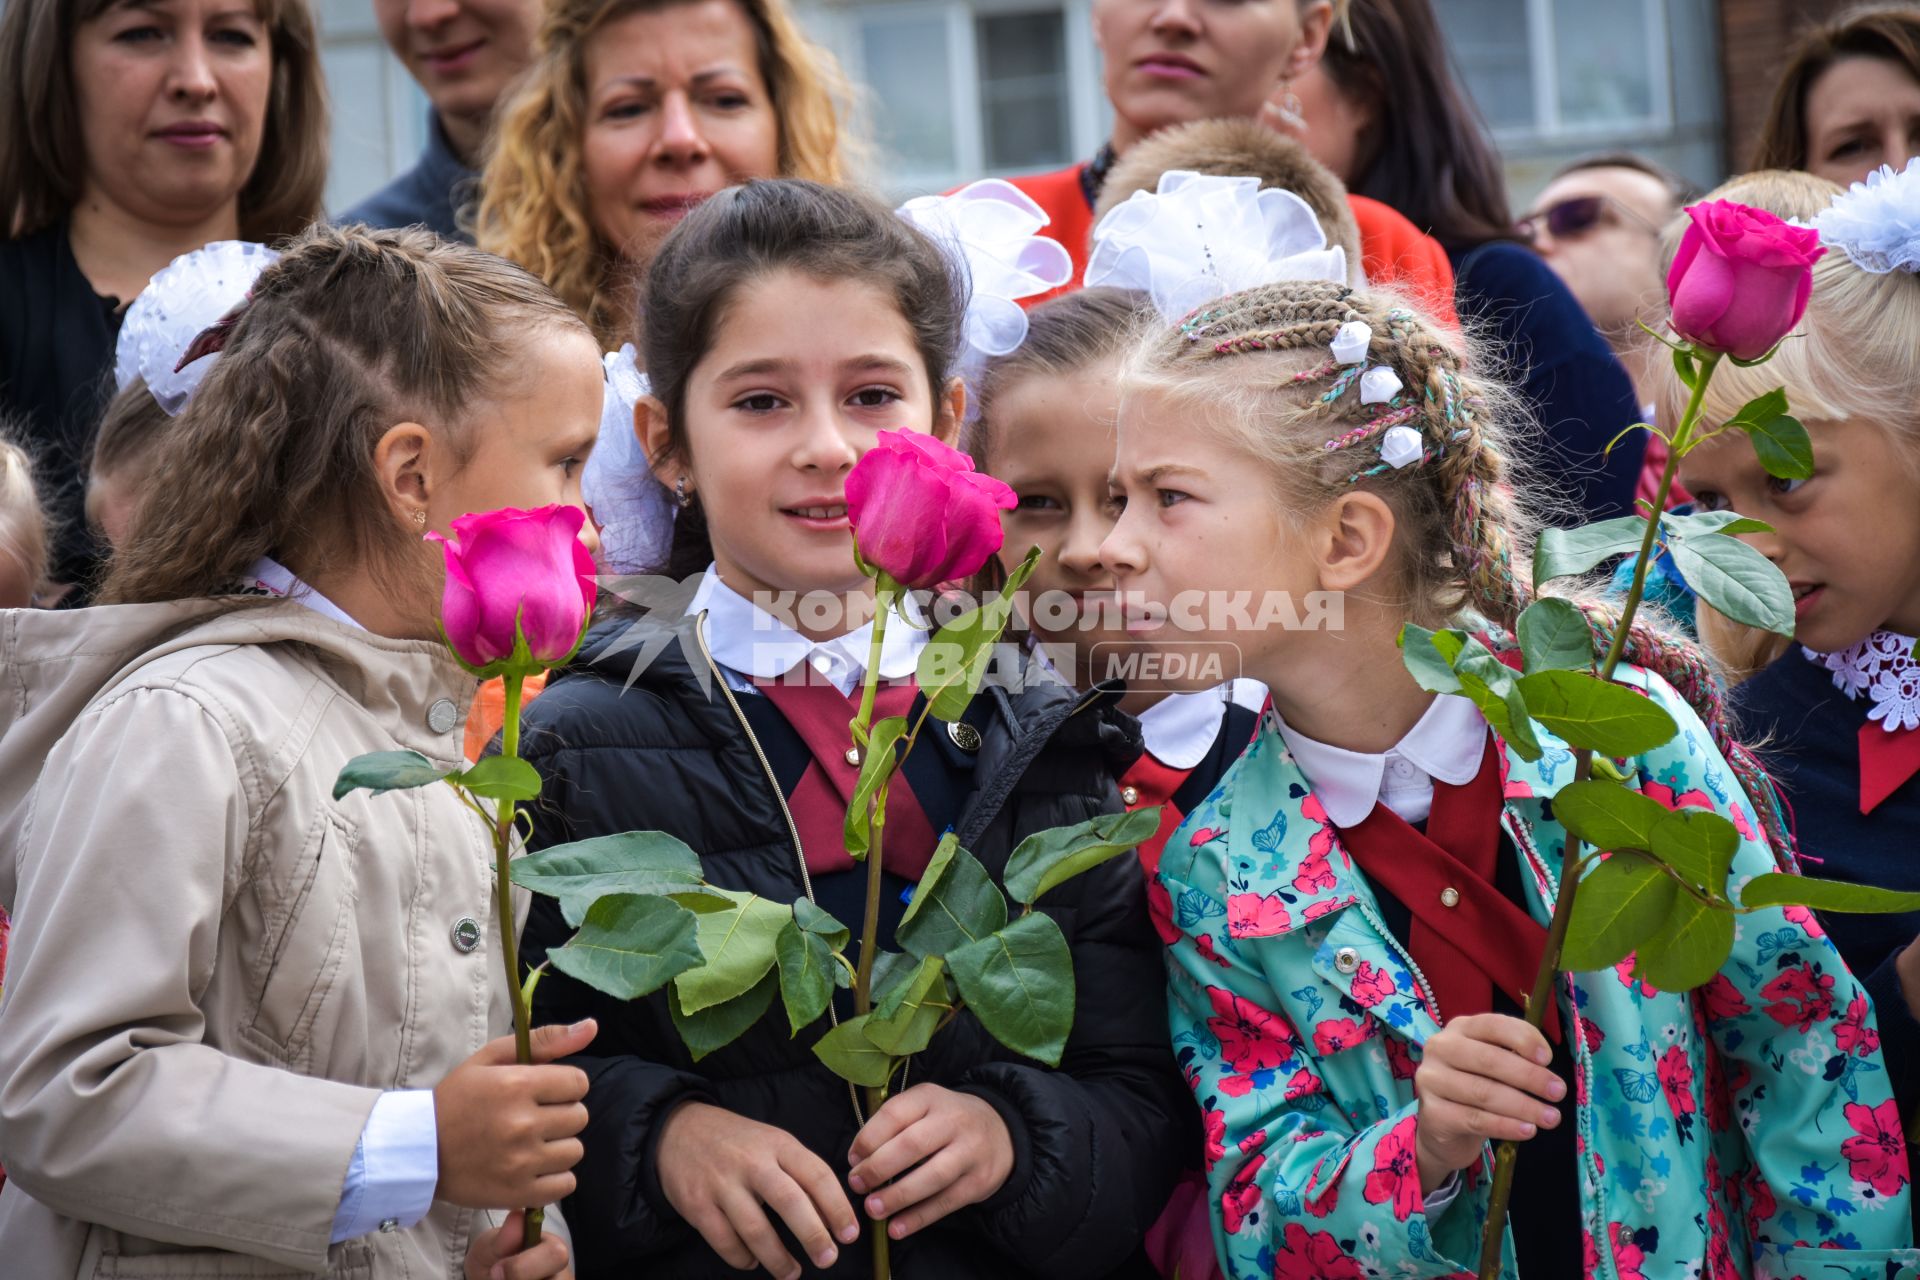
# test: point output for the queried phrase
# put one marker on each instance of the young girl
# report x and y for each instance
(1380, 866)
(250, 1029)
(23, 527)
(1840, 709)
(788, 323)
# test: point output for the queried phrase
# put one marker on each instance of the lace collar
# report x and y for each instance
(1883, 669)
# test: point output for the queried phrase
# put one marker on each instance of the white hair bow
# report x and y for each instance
(633, 509)
(182, 300)
(1877, 222)
(991, 229)
(1200, 237)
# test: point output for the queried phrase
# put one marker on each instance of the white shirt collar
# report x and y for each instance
(1448, 743)
(752, 644)
(1181, 728)
(276, 579)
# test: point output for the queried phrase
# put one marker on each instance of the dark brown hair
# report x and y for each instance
(1235, 149)
(350, 332)
(782, 224)
(1427, 153)
(41, 151)
(1681, 190)
(1891, 32)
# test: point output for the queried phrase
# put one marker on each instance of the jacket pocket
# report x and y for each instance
(351, 1261)
(307, 913)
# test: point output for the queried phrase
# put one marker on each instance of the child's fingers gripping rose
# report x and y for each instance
(497, 1254)
(1483, 1078)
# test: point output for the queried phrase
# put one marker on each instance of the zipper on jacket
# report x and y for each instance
(773, 784)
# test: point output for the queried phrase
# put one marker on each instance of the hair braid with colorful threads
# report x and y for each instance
(1464, 534)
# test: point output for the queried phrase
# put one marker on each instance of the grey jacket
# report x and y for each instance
(216, 967)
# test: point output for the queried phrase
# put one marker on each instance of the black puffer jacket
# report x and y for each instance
(1096, 1144)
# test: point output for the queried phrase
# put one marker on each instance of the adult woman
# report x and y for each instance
(634, 113)
(131, 134)
(1171, 62)
(1849, 100)
(1384, 112)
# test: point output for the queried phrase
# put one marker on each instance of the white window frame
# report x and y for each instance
(1085, 94)
(1548, 124)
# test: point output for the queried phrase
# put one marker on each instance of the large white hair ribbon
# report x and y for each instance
(633, 509)
(1199, 237)
(183, 299)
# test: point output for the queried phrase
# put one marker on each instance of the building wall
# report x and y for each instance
(1755, 36)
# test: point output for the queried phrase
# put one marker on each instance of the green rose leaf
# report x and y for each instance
(501, 778)
(1620, 903)
(1491, 685)
(1019, 983)
(1430, 663)
(630, 862)
(1776, 889)
(1046, 859)
(1705, 522)
(905, 1021)
(1608, 816)
(955, 903)
(738, 944)
(1699, 844)
(890, 969)
(813, 919)
(851, 1056)
(1688, 948)
(877, 763)
(1585, 711)
(1684, 364)
(1555, 636)
(381, 771)
(629, 945)
(1783, 445)
(955, 660)
(720, 1025)
(1735, 579)
(806, 974)
(1563, 553)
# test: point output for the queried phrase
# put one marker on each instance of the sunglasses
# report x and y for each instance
(1566, 219)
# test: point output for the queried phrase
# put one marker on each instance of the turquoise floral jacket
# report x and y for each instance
(1746, 1129)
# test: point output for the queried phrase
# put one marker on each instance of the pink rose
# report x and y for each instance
(920, 513)
(1741, 279)
(508, 564)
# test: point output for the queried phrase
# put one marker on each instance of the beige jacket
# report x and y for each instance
(216, 967)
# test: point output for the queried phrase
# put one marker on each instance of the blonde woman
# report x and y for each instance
(636, 111)
(129, 135)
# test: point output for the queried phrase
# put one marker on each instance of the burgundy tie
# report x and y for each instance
(1467, 936)
(821, 714)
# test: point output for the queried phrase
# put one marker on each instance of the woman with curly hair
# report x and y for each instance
(635, 111)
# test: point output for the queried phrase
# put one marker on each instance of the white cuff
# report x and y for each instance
(1442, 1197)
(395, 1167)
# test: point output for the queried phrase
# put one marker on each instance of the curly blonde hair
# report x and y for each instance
(533, 205)
(1463, 532)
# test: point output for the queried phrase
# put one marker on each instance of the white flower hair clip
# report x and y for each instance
(1198, 237)
(1877, 222)
(991, 229)
(633, 509)
(185, 298)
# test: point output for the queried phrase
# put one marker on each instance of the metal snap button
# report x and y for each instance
(1129, 796)
(1346, 959)
(442, 716)
(466, 934)
(389, 1225)
(1449, 897)
(964, 735)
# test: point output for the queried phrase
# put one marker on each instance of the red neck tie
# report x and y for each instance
(821, 714)
(1467, 936)
(1887, 760)
(1146, 783)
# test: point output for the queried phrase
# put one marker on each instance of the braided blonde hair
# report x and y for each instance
(1463, 531)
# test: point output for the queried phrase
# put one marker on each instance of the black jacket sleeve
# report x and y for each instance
(1099, 1143)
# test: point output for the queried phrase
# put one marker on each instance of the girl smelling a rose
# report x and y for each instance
(792, 328)
(1362, 903)
(293, 1055)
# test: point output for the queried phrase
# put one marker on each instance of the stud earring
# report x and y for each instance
(420, 518)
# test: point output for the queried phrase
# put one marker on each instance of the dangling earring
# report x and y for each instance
(681, 498)
(1288, 111)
